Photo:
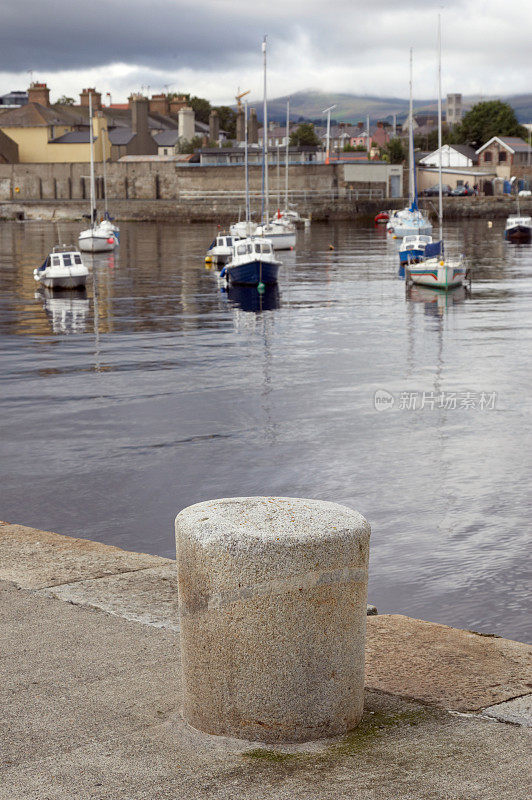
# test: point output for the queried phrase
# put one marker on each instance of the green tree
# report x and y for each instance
(485, 120)
(395, 151)
(227, 120)
(202, 108)
(66, 101)
(186, 146)
(304, 135)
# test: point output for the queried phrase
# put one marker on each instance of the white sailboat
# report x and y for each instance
(99, 238)
(409, 221)
(435, 269)
(282, 237)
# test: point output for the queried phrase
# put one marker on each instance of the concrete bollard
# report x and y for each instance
(272, 597)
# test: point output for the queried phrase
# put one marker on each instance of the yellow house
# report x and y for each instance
(45, 134)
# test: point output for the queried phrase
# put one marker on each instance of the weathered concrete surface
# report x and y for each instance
(147, 595)
(442, 666)
(272, 599)
(90, 710)
(517, 711)
(34, 559)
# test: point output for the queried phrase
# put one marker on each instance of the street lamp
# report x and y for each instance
(328, 112)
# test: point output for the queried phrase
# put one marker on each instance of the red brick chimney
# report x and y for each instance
(96, 98)
(39, 93)
(159, 104)
(178, 103)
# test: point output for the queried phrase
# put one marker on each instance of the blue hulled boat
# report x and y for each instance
(252, 262)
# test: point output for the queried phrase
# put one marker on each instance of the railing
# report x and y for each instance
(294, 196)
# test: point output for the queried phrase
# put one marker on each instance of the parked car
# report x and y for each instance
(462, 191)
(435, 190)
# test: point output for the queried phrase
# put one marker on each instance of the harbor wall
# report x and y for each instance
(165, 190)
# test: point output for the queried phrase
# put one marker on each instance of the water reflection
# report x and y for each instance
(247, 298)
(66, 310)
(436, 302)
(172, 392)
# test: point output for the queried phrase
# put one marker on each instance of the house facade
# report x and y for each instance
(505, 155)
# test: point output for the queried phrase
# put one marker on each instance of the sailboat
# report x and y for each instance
(518, 227)
(252, 260)
(98, 238)
(409, 221)
(287, 217)
(435, 269)
(107, 221)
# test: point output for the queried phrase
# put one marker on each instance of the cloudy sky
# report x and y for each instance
(212, 47)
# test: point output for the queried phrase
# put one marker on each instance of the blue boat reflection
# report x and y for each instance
(248, 298)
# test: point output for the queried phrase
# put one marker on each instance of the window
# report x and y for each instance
(77, 259)
(502, 156)
(266, 248)
(250, 248)
(257, 248)
(487, 156)
(241, 250)
(55, 261)
(67, 261)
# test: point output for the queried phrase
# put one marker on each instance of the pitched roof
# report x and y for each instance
(32, 115)
(466, 150)
(74, 137)
(120, 136)
(167, 138)
(514, 144)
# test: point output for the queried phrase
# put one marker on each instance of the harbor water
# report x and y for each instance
(158, 388)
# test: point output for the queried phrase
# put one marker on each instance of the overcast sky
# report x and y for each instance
(212, 47)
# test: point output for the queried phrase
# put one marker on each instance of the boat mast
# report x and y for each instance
(411, 141)
(440, 193)
(91, 146)
(286, 155)
(266, 205)
(104, 158)
(246, 163)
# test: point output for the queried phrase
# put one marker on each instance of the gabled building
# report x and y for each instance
(505, 154)
(452, 155)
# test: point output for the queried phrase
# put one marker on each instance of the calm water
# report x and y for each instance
(157, 390)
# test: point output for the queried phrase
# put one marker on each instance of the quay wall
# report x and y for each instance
(165, 190)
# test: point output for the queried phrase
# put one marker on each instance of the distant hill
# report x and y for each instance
(355, 108)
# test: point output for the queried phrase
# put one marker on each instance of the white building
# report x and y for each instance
(452, 155)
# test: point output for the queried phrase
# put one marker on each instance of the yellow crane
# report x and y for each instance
(239, 97)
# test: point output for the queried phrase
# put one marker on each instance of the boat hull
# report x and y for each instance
(253, 272)
(412, 256)
(437, 276)
(76, 280)
(520, 233)
(96, 243)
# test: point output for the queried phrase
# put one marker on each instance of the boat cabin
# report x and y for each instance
(66, 258)
(249, 246)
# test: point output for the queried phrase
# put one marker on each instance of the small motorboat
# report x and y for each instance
(412, 248)
(62, 269)
(221, 249)
(436, 270)
(252, 263)
(518, 228)
(381, 218)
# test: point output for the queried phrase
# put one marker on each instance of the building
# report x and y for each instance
(224, 156)
(13, 99)
(452, 155)
(453, 109)
(506, 154)
(44, 133)
(459, 166)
